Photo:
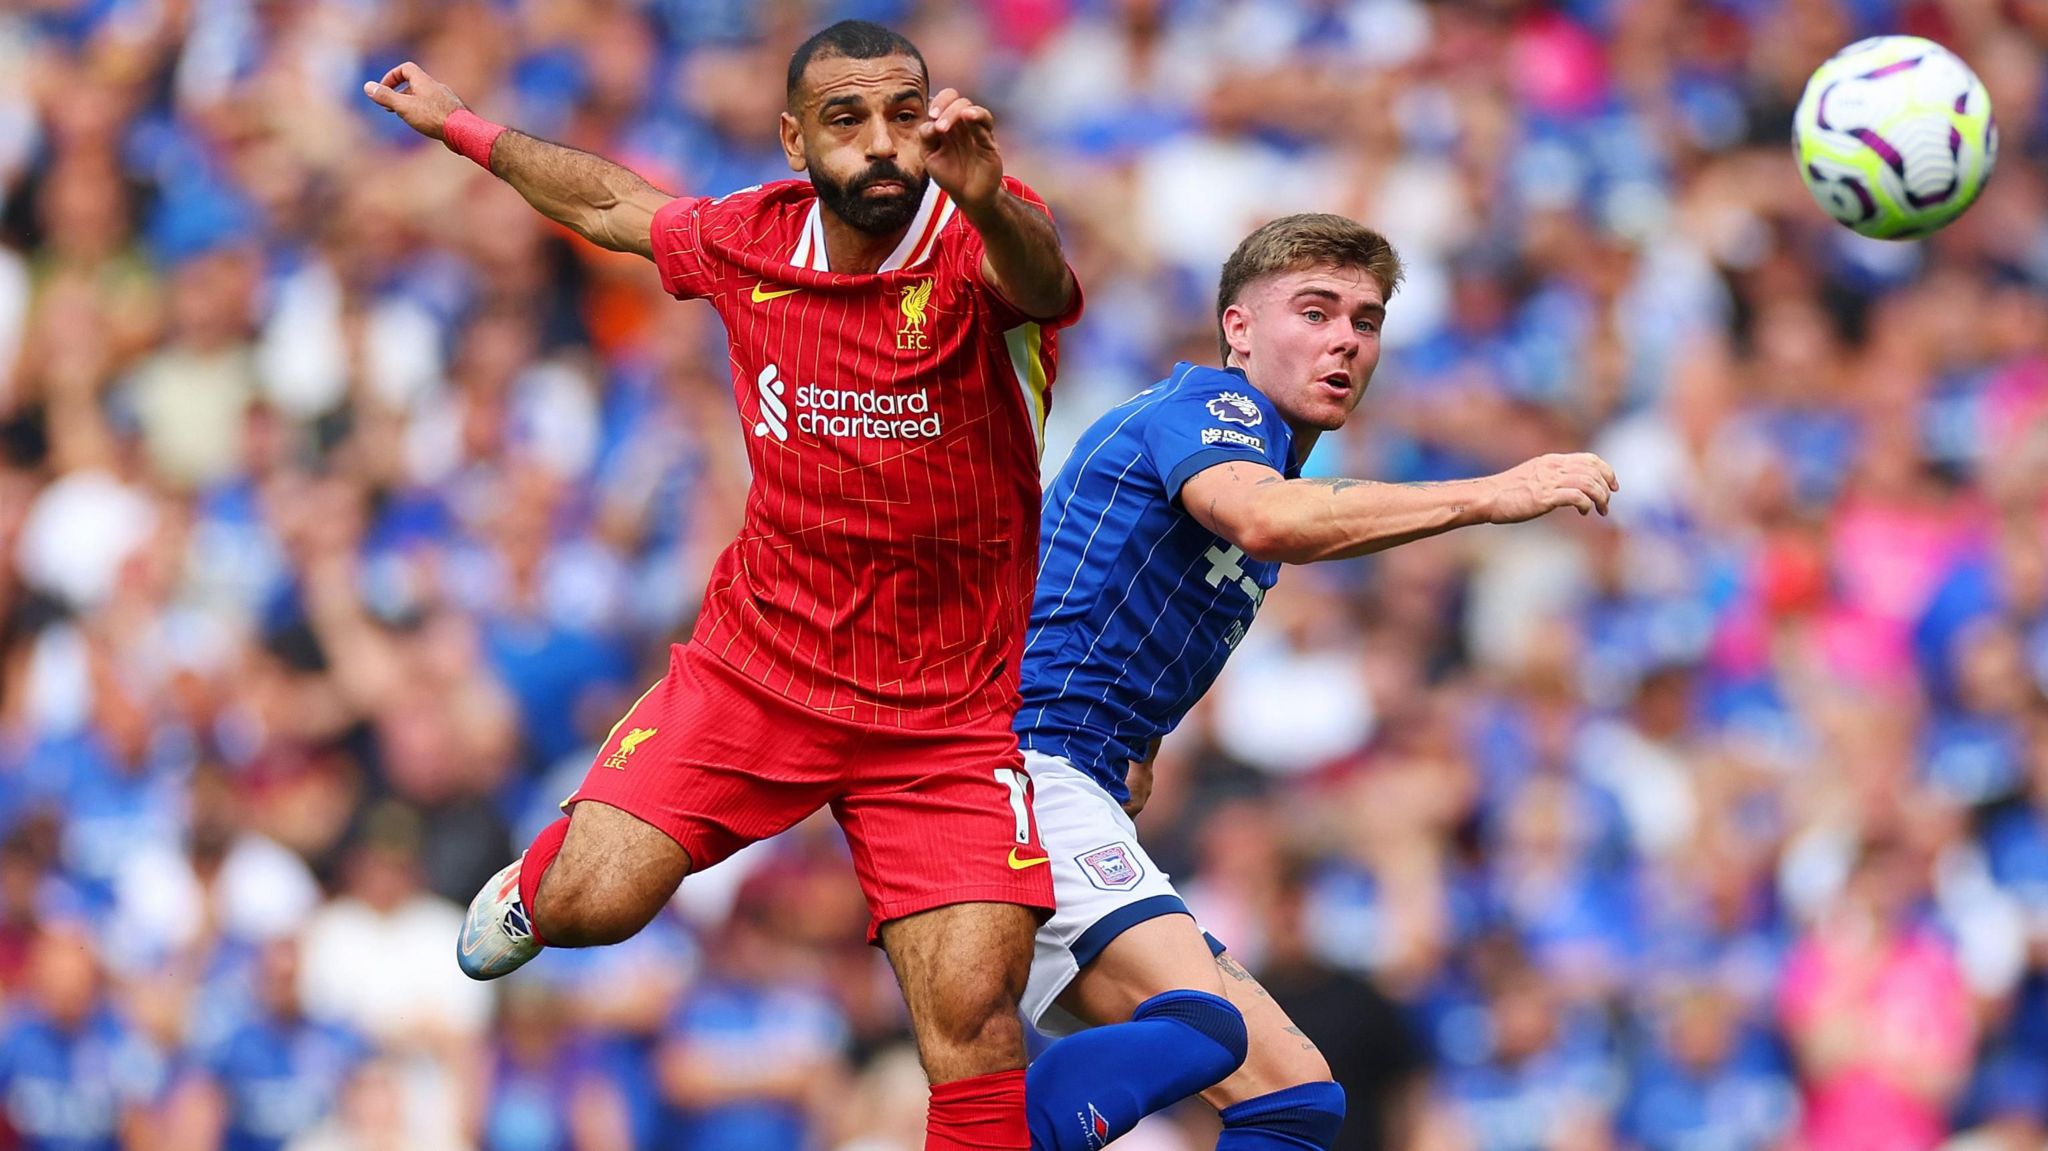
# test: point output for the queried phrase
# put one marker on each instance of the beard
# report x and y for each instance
(876, 217)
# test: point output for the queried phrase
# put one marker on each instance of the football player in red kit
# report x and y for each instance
(892, 325)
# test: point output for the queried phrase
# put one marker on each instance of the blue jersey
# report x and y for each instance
(281, 1077)
(67, 1089)
(1138, 604)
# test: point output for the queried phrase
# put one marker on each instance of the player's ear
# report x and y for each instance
(792, 133)
(1237, 330)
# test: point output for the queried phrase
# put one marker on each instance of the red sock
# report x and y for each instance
(546, 846)
(985, 1113)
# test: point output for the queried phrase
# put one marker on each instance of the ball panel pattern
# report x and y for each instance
(1894, 136)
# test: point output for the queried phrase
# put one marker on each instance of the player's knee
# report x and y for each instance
(1310, 1114)
(591, 907)
(975, 1012)
(1276, 1063)
(612, 876)
(1220, 1040)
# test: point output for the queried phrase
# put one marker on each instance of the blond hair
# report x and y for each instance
(1307, 240)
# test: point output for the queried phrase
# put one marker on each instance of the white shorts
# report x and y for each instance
(1103, 883)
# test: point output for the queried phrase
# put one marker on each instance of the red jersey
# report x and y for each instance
(893, 423)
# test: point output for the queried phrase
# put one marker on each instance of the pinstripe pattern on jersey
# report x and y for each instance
(1138, 605)
(885, 580)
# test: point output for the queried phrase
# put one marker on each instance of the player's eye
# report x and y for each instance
(1366, 327)
(1315, 315)
(906, 117)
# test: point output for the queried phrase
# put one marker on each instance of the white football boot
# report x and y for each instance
(497, 937)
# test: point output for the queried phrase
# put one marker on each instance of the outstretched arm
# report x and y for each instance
(1021, 259)
(601, 201)
(1301, 521)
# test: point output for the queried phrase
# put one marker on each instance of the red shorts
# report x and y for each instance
(934, 817)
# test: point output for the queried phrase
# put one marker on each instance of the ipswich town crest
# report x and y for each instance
(1112, 868)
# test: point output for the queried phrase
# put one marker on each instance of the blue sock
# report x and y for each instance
(1087, 1089)
(1303, 1118)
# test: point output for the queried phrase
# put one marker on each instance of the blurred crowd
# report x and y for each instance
(344, 504)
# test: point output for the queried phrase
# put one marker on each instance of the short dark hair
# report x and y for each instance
(852, 40)
(1308, 240)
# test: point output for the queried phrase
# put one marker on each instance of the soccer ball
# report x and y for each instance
(1894, 136)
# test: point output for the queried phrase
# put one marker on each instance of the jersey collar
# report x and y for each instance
(918, 243)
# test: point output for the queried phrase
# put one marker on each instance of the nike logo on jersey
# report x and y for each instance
(1017, 864)
(761, 297)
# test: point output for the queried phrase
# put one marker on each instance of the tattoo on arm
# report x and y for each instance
(1334, 483)
(1022, 257)
(1344, 484)
(1235, 970)
(1306, 1043)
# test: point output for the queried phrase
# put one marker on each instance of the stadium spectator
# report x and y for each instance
(375, 961)
(76, 1074)
(279, 1073)
(373, 1117)
(1373, 1051)
(1523, 1068)
(547, 1088)
(751, 1057)
(1877, 1013)
(228, 886)
(1706, 1076)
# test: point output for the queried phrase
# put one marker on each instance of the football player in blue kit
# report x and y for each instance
(1159, 539)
